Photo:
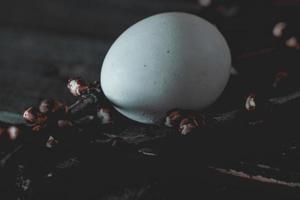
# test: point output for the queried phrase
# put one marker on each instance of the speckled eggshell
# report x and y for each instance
(166, 61)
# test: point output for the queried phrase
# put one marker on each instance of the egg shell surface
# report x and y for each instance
(167, 61)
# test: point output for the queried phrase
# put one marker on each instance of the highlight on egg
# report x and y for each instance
(167, 61)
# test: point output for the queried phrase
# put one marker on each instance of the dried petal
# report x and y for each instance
(173, 119)
(187, 128)
(105, 115)
(250, 104)
(46, 105)
(279, 29)
(30, 115)
(51, 142)
(53, 109)
(292, 42)
(188, 124)
(13, 132)
(77, 86)
(33, 116)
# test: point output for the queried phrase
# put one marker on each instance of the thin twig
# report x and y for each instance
(285, 99)
(8, 156)
(258, 178)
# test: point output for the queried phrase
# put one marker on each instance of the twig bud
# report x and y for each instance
(33, 116)
(13, 132)
(77, 86)
(250, 104)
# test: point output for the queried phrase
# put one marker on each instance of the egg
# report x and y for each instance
(167, 61)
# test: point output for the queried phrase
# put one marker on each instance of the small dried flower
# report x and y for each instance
(33, 116)
(187, 125)
(51, 106)
(46, 106)
(53, 109)
(292, 42)
(105, 116)
(173, 119)
(250, 104)
(278, 29)
(184, 121)
(13, 132)
(51, 142)
(77, 86)
(30, 115)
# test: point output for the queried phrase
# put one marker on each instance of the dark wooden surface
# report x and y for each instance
(44, 42)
